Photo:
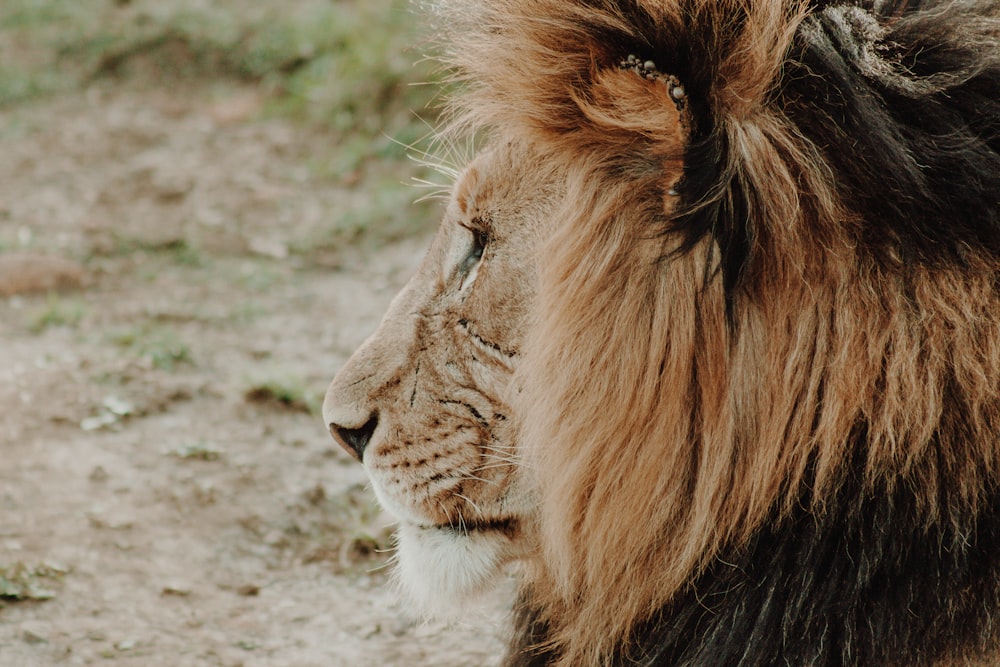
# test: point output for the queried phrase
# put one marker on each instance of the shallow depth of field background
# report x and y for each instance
(204, 208)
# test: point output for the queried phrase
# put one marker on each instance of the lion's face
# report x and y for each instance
(423, 401)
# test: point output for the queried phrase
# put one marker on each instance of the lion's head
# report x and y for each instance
(425, 402)
(709, 336)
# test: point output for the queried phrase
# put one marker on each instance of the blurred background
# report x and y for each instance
(205, 206)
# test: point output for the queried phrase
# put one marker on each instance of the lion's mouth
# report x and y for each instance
(507, 527)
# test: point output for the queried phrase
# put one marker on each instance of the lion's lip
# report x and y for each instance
(506, 526)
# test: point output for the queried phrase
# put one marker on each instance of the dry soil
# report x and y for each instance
(168, 494)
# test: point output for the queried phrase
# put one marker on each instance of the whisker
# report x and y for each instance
(447, 514)
(494, 466)
(497, 457)
(469, 500)
(389, 562)
(498, 451)
(437, 194)
(514, 460)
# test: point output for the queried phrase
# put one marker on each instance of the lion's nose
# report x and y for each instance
(355, 440)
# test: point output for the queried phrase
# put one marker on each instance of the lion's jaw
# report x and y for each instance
(422, 401)
(444, 570)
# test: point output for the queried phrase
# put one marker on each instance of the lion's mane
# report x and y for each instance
(778, 440)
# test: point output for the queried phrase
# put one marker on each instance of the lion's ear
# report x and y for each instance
(642, 112)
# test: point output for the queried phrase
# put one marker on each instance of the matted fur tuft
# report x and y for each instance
(764, 413)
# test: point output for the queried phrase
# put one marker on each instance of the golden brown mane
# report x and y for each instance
(802, 335)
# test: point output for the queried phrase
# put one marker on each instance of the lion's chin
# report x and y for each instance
(444, 571)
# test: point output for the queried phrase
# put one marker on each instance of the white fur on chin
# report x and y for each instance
(443, 571)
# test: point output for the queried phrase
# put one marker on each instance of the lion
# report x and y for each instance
(706, 349)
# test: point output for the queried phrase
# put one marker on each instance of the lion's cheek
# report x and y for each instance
(420, 479)
(443, 571)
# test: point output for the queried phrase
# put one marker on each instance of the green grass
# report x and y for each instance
(198, 451)
(354, 69)
(178, 251)
(159, 345)
(344, 63)
(58, 311)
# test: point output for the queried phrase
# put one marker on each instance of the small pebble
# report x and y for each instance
(248, 590)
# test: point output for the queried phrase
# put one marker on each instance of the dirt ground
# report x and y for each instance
(168, 494)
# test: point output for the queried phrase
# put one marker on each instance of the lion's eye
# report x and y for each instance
(479, 240)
